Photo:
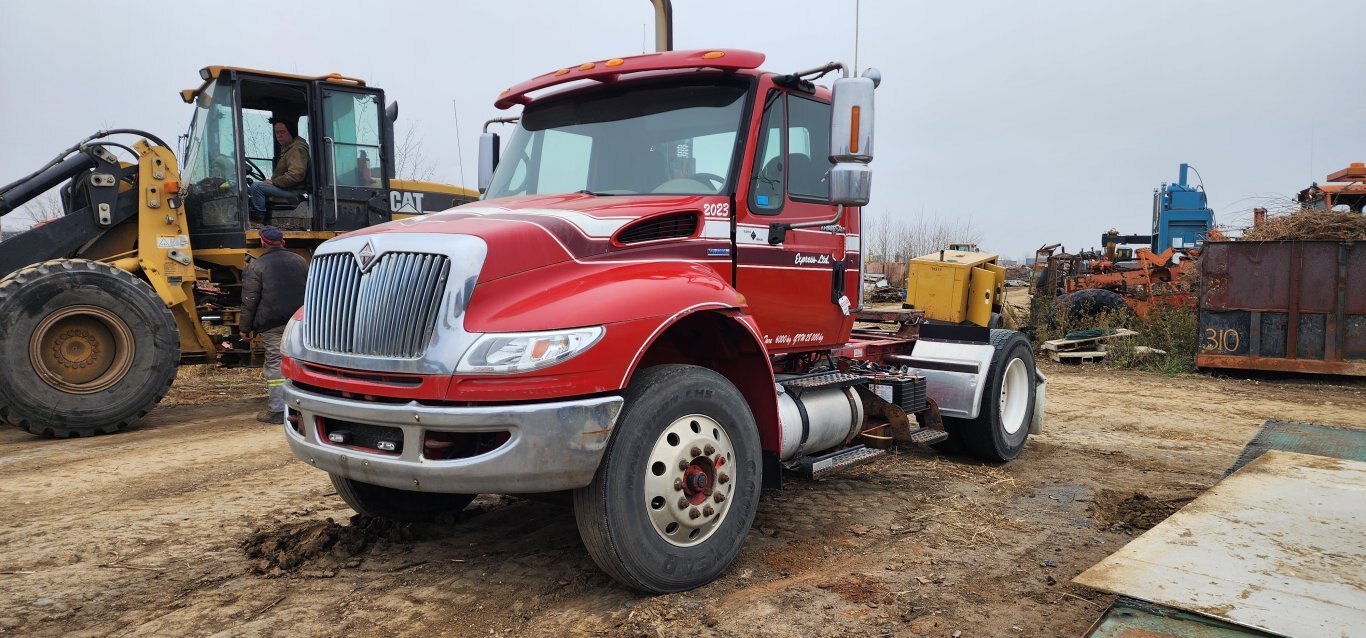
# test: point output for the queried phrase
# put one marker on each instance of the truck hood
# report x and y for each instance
(525, 233)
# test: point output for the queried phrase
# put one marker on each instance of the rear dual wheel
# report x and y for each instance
(85, 348)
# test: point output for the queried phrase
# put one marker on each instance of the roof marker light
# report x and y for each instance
(561, 72)
(614, 62)
(586, 66)
(712, 55)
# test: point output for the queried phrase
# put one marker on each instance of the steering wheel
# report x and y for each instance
(255, 171)
(708, 177)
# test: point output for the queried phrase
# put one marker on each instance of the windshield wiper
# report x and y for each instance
(593, 193)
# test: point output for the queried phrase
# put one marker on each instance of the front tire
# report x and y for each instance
(401, 506)
(678, 486)
(1002, 424)
(85, 348)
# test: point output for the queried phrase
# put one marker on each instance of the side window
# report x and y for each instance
(258, 139)
(808, 153)
(766, 180)
(352, 120)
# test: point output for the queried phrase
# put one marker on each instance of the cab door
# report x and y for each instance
(353, 180)
(798, 288)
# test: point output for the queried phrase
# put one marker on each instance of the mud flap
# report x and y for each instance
(1036, 423)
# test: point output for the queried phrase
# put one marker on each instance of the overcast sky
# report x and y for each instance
(1042, 121)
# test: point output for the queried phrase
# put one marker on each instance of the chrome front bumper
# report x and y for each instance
(553, 446)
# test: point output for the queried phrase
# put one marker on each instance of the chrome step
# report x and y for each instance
(821, 381)
(926, 436)
(814, 467)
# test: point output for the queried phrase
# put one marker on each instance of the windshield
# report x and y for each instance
(211, 159)
(675, 139)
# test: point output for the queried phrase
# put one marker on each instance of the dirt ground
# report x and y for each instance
(199, 522)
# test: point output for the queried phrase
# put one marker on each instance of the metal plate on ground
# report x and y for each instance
(1308, 438)
(1277, 546)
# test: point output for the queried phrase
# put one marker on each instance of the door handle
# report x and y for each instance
(332, 167)
(837, 284)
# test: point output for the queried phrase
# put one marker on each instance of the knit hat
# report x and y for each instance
(272, 235)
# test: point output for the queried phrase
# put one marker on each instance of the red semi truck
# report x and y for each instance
(652, 307)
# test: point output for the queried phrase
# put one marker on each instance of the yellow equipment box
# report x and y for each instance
(957, 287)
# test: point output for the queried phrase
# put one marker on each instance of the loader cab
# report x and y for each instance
(231, 145)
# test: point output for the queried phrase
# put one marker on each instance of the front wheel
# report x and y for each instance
(85, 348)
(1002, 424)
(398, 505)
(678, 486)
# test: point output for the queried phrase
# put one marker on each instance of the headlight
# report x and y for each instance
(509, 352)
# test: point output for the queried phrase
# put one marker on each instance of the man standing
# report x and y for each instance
(291, 169)
(272, 289)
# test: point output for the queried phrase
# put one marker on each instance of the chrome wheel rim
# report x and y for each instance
(689, 480)
(1014, 401)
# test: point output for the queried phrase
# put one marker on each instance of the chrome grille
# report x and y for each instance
(387, 311)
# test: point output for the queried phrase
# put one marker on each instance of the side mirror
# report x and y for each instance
(488, 159)
(391, 111)
(851, 140)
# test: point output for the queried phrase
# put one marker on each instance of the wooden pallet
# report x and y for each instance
(1085, 350)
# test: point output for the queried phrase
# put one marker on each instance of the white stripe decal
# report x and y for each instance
(606, 261)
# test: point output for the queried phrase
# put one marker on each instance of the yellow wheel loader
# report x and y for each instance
(99, 306)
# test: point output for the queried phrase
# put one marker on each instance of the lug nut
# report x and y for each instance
(678, 485)
(710, 450)
(693, 513)
(696, 451)
(720, 460)
(683, 465)
(723, 478)
(708, 511)
(682, 503)
(718, 497)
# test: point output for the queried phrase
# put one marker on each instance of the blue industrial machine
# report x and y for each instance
(1181, 215)
(1182, 219)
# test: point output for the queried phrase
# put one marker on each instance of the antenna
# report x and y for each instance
(1311, 150)
(856, 16)
(459, 148)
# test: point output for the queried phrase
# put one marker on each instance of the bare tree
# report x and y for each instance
(41, 209)
(410, 158)
(892, 240)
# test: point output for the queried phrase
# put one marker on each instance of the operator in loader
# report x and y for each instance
(272, 290)
(291, 169)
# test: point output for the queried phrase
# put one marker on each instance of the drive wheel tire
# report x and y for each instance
(398, 505)
(85, 348)
(678, 486)
(1002, 425)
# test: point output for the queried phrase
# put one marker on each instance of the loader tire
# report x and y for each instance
(85, 348)
(1008, 403)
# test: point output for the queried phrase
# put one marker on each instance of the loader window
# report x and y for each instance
(211, 160)
(258, 140)
(352, 121)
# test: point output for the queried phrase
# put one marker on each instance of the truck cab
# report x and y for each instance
(652, 307)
